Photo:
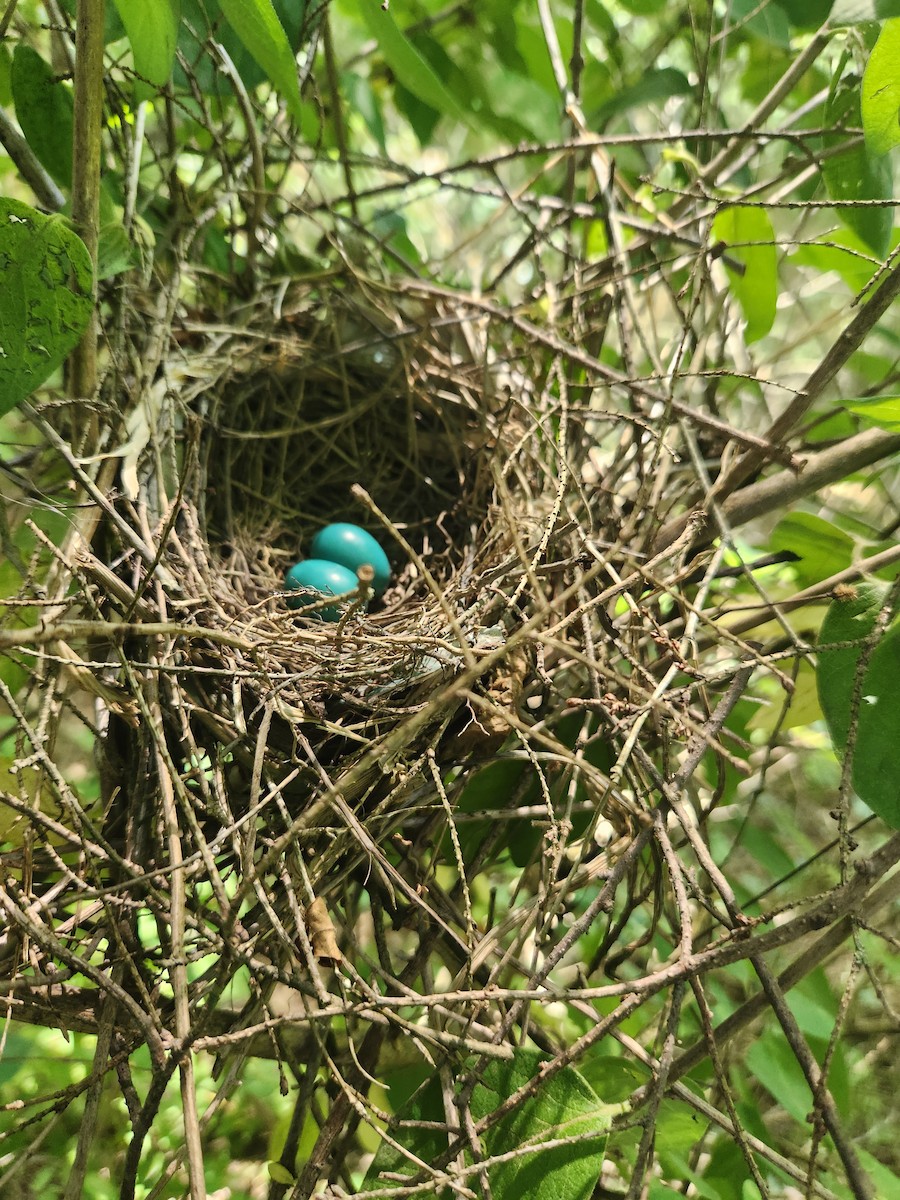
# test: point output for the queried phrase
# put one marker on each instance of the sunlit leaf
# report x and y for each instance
(821, 547)
(152, 29)
(749, 238)
(257, 25)
(883, 411)
(881, 91)
(857, 174)
(844, 252)
(408, 65)
(564, 1106)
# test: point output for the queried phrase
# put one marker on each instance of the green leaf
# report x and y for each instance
(256, 23)
(515, 97)
(883, 411)
(46, 300)
(280, 1174)
(364, 102)
(6, 96)
(857, 12)
(408, 65)
(654, 87)
(852, 617)
(152, 29)
(823, 549)
(881, 91)
(613, 1078)
(857, 175)
(563, 1106)
(203, 22)
(113, 29)
(115, 252)
(886, 1182)
(775, 1066)
(749, 238)
(765, 21)
(44, 112)
(875, 776)
(806, 14)
(644, 8)
(846, 252)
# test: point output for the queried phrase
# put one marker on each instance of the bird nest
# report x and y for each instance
(264, 776)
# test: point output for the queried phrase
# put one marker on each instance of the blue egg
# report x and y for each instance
(313, 578)
(353, 548)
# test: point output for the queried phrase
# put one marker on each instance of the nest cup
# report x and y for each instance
(341, 394)
(385, 410)
(293, 763)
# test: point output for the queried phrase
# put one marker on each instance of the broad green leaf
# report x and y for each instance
(887, 1183)
(846, 253)
(857, 175)
(883, 411)
(774, 1065)
(203, 22)
(613, 1078)
(280, 1174)
(806, 14)
(880, 103)
(515, 97)
(749, 238)
(857, 12)
(563, 1106)
(822, 548)
(364, 103)
(814, 1005)
(408, 65)
(44, 112)
(257, 25)
(493, 788)
(152, 29)
(875, 776)
(803, 708)
(46, 300)
(115, 251)
(765, 21)
(654, 87)
(6, 96)
(392, 231)
(17, 1051)
(852, 618)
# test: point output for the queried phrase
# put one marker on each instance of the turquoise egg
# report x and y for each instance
(313, 578)
(353, 548)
